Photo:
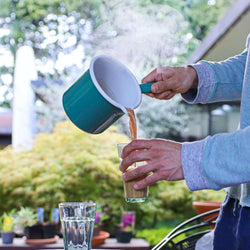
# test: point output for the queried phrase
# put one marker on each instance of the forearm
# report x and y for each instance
(217, 162)
(227, 159)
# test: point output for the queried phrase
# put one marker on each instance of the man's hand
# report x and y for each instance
(170, 81)
(163, 159)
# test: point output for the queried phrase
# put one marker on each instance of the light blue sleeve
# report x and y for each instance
(226, 159)
(192, 165)
(220, 81)
(206, 162)
(228, 78)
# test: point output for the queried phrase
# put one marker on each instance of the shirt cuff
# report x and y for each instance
(205, 84)
(191, 158)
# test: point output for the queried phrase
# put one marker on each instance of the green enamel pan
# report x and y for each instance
(101, 95)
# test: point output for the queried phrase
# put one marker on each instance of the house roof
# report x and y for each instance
(228, 37)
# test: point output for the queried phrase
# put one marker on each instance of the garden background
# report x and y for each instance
(66, 164)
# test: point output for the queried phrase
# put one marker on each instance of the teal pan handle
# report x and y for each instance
(146, 87)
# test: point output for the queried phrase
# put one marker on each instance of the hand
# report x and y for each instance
(170, 81)
(163, 159)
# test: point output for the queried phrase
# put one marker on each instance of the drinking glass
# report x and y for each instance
(131, 194)
(77, 219)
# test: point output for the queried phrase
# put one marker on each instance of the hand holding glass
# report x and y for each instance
(131, 194)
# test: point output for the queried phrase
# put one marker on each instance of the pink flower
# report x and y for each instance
(128, 220)
(97, 217)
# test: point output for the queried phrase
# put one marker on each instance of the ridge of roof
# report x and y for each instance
(234, 13)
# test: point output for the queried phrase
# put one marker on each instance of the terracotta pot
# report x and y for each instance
(205, 206)
(100, 239)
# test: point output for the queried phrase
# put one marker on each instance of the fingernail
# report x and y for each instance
(154, 88)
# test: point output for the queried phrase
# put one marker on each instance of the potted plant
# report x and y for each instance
(26, 218)
(7, 221)
(32, 228)
(97, 228)
(126, 227)
(99, 218)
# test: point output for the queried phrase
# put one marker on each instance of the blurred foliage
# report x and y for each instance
(66, 34)
(31, 22)
(69, 165)
(55, 29)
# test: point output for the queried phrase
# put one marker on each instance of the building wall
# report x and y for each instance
(198, 123)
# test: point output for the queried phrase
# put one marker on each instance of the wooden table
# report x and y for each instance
(110, 243)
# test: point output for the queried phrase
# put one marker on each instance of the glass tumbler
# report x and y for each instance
(77, 220)
(131, 194)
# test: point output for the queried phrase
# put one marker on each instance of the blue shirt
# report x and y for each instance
(223, 160)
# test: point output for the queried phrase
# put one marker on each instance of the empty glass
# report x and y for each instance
(77, 219)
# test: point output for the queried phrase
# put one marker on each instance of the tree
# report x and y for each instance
(66, 34)
(54, 29)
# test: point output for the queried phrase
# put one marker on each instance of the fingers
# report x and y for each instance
(138, 173)
(159, 75)
(137, 151)
(160, 87)
(163, 159)
(135, 145)
(148, 181)
(136, 157)
(141, 171)
(164, 72)
(165, 95)
(163, 88)
(151, 77)
(169, 81)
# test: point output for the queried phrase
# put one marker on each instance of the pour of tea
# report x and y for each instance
(132, 123)
(131, 194)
